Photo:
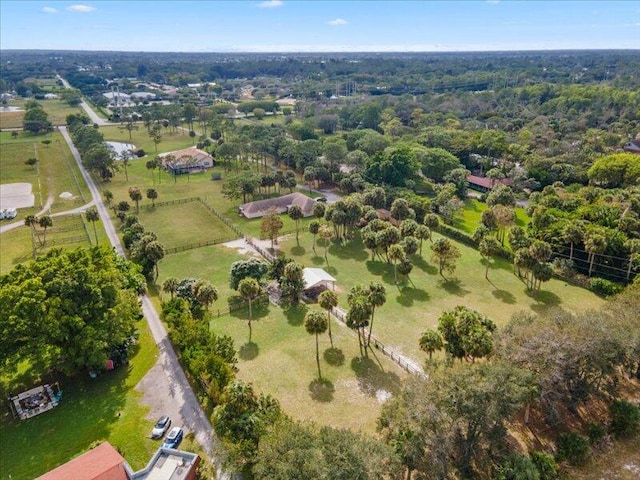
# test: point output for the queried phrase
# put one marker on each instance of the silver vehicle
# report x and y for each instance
(161, 427)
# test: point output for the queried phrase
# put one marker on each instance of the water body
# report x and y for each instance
(119, 147)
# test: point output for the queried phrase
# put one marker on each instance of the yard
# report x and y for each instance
(141, 139)
(470, 217)
(412, 306)
(280, 360)
(107, 408)
(56, 108)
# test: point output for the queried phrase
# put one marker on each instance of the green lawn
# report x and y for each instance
(57, 109)
(91, 411)
(471, 216)
(280, 360)
(16, 247)
(412, 307)
(183, 224)
(55, 172)
(141, 139)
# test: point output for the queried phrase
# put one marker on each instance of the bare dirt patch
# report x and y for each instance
(16, 195)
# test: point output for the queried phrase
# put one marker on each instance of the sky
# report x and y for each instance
(320, 26)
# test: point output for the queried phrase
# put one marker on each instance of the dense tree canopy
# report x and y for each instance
(68, 309)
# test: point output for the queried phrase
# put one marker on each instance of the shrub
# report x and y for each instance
(546, 465)
(603, 287)
(572, 447)
(140, 153)
(625, 418)
(216, 176)
(517, 467)
(596, 432)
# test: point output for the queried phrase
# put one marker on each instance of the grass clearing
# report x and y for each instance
(141, 139)
(471, 216)
(182, 224)
(413, 306)
(16, 247)
(280, 360)
(91, 411)
(57, 109)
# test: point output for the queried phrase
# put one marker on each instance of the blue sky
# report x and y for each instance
(293, 26)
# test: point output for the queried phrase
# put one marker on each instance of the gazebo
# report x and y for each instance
(316, 280)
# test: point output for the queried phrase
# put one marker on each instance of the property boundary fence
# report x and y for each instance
(224, 219)
(341, 316)
(267, 255)
(191, 246)
(264, 298)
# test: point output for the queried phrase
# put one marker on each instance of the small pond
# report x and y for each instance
(119, 147)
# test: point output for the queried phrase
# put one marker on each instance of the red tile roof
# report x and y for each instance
(486, 182)
(101, 463)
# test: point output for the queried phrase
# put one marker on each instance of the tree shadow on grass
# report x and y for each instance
(317, 260)
(454, 287)
(321, 390)
(504, 296)
(334, 356)
(372, 378)
(349, 251)
(383, 270)
(298, 251)
(249, 351)
(295, 313)
(258, 310)
(409, 295)
(423, 265)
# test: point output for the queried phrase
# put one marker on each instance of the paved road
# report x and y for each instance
(193, 417)
(92, 115)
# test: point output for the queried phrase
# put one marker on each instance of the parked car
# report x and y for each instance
(161, 427)
(173, 438)
(2, 214)
(10, 213)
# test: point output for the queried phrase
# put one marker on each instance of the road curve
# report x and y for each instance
(193, 417)
(92, 115)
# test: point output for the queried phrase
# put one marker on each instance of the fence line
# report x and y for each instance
(264, 298)
(177, 201)
(223, 218)
(341, 316)
(192, 246)
(267, 255)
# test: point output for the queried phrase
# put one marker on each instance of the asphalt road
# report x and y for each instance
(193, 417)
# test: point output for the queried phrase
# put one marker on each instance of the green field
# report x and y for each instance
(183, 224)
(55, 172)
(141, 139)
(413, 306)
(91, 411)
(471, 216)
(280, 360)
(56, 108)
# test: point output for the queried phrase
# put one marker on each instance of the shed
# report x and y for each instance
(314, 277)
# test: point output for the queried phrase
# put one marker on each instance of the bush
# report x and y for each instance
(216, 176)
(140, 153)
(603, 287)
(625, 418)
(572, 447)
(596, 432)
(517, 467)
(546, 465)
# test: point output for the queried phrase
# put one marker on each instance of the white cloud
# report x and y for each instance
(271, 4)
(81, 8)
(338, 21)
(49, 10)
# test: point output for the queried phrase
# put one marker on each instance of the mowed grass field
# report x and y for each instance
(141, 139)
(107, 408)
(57, 110)
(470, 217)
(280, 360)
(415, 305)
(182, 224)
(56, 171)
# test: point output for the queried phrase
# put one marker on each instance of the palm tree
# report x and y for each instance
(92, 216)
(430, 341)
(206, 293)
(45, 222)
(328, 300)
(152, 165)
(136, 196)
(326, 234)
(154, 251)
(295, 214)
(359, 314)
(315, 323)
(396, 254)
(314, 228)
(377, 298)
(488, 247)
(170, 285)
(249, 289)
(573, 233)
(31, 221)
(422, 233)
(595, 243)
(152, 194)
(108, 197)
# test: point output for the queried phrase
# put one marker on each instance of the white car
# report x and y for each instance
(1, 214)
(10, 213)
